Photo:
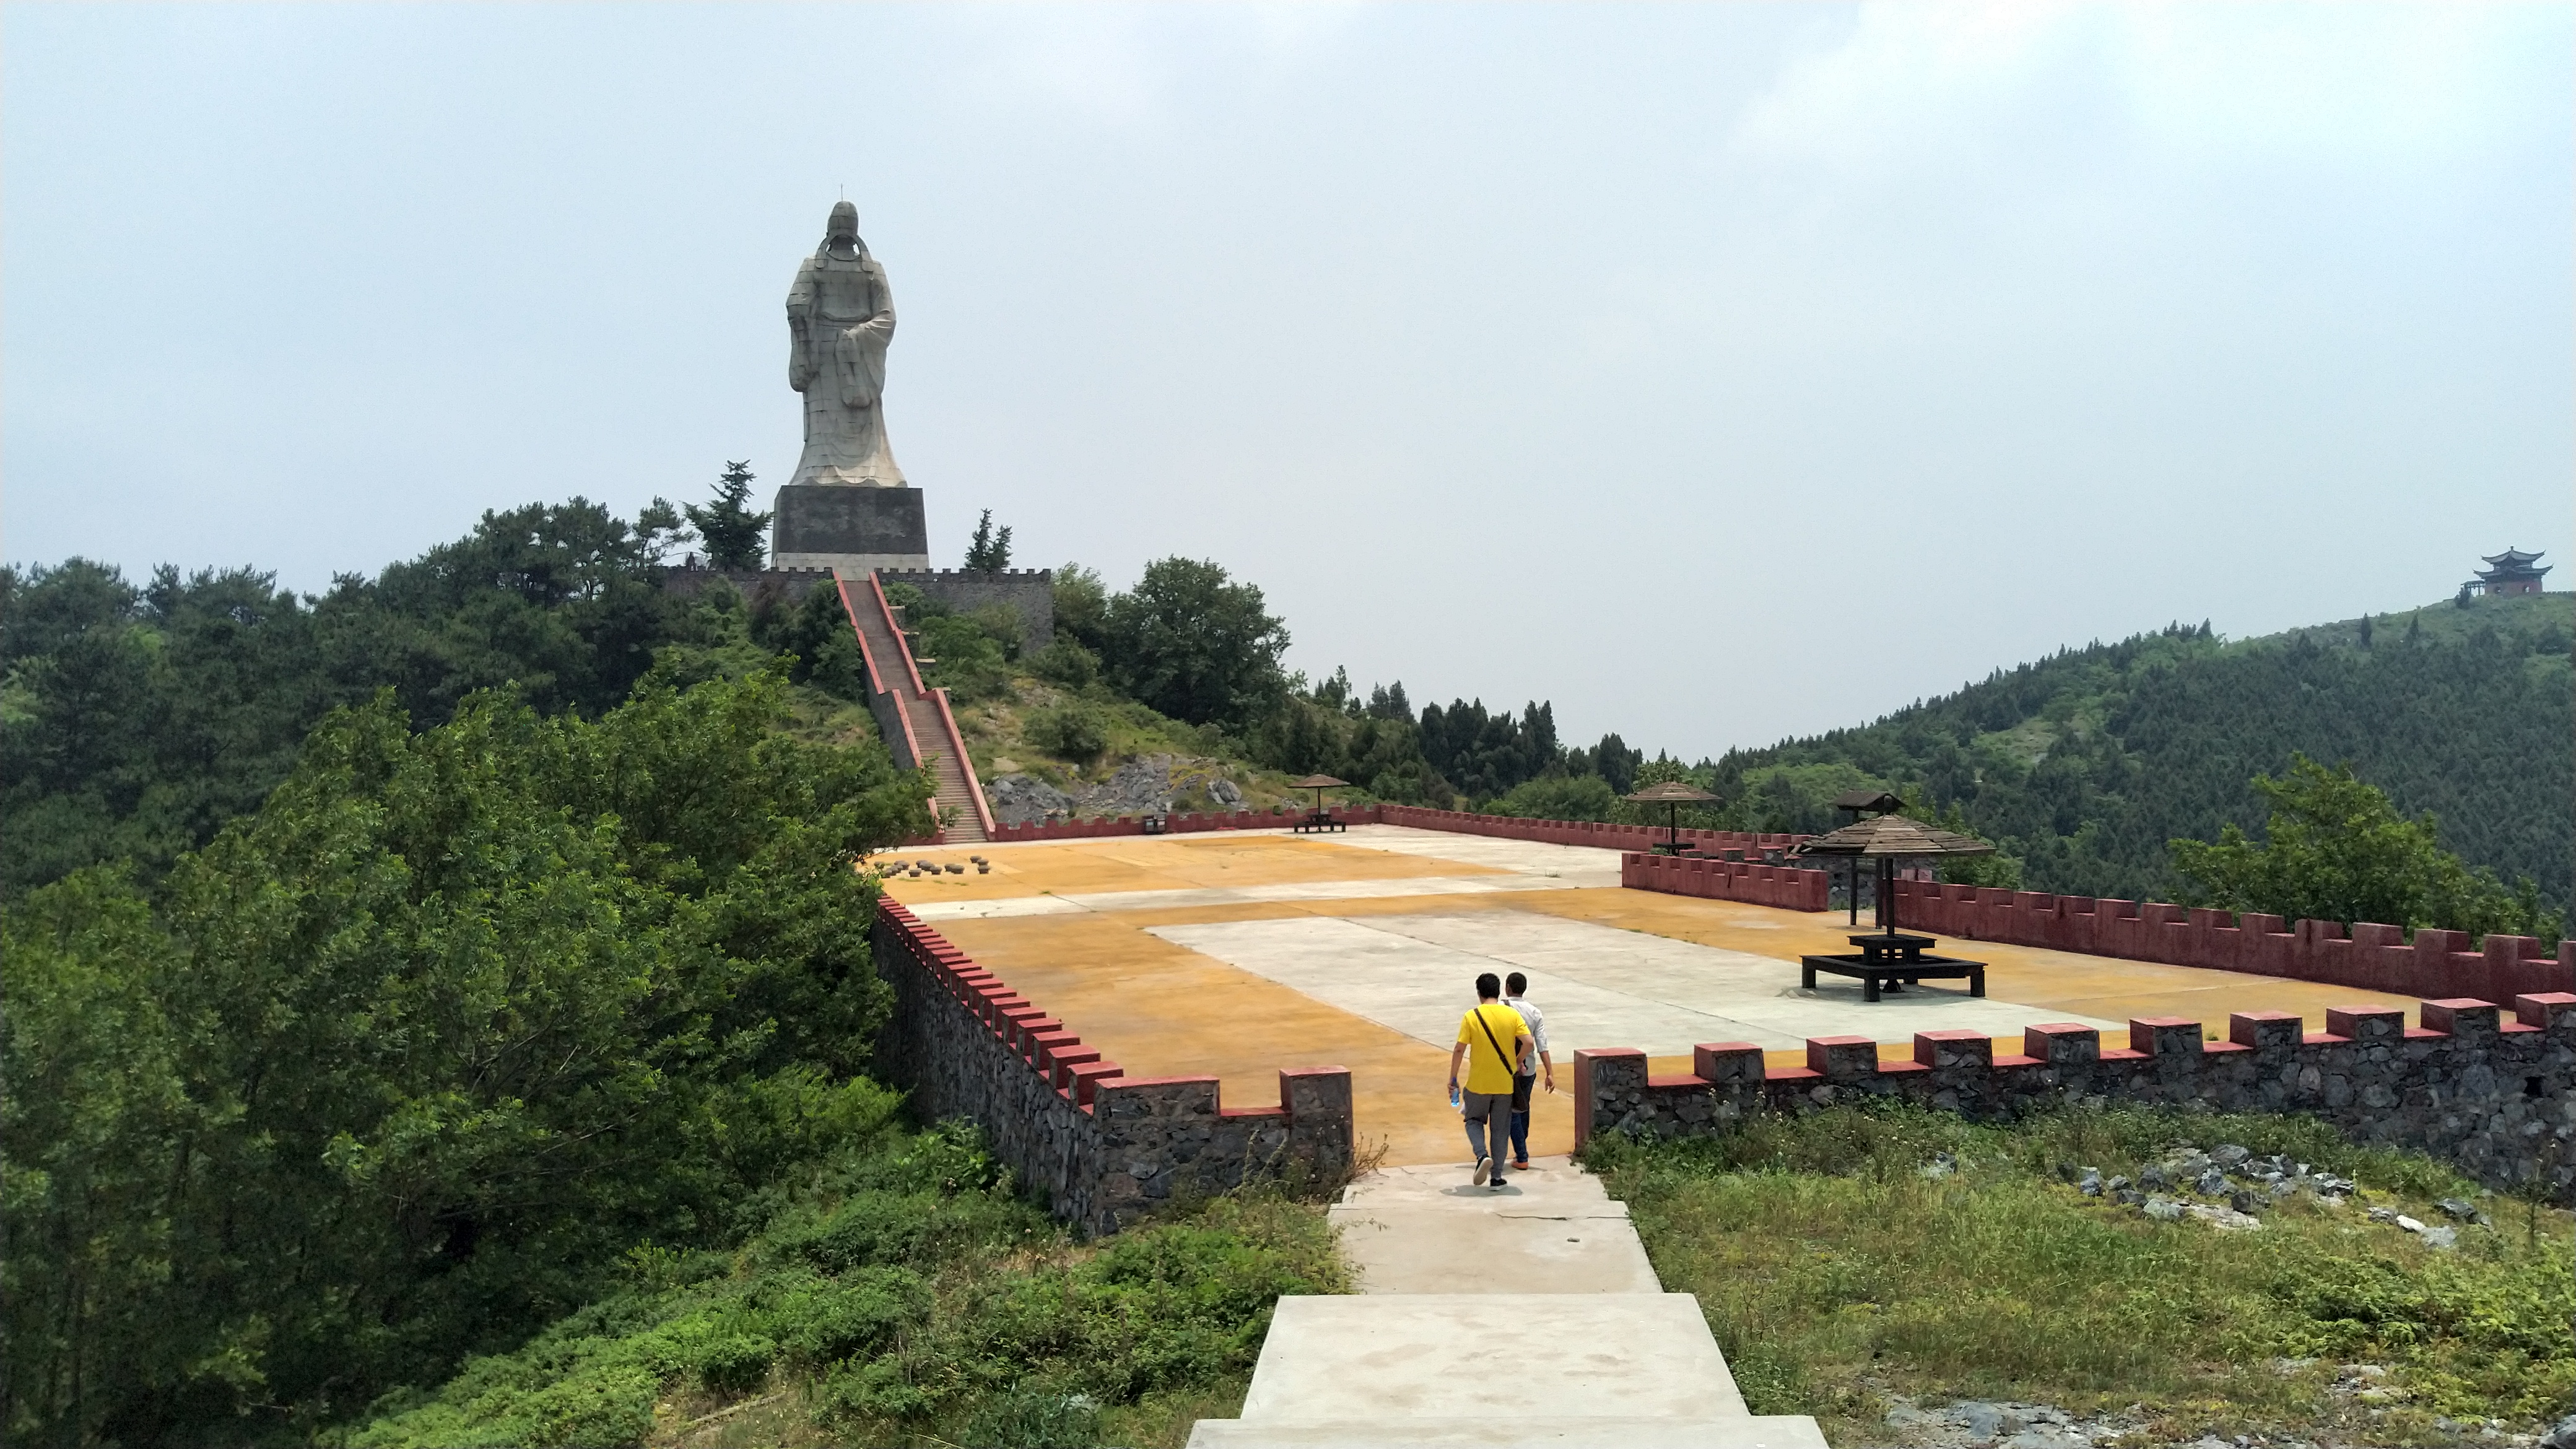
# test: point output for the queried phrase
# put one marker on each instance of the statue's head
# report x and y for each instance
(841, 233)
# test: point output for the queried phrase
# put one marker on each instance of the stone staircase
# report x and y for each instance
(1516, 1319)
(956, 802)
(920, 715)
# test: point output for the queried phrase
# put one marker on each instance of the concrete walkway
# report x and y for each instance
(1506, 1319)
(1356, 951)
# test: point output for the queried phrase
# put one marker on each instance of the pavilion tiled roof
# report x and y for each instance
(1893, 835)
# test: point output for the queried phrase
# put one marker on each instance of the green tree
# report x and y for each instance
(1194, 644)
(398, 1067)
(1081, 607)
(1999, 870)
(1558, 797)
(988, 552)
(731, 531)
(2335, 849)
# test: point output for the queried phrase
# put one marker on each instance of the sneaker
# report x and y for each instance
(1520, 1164)
(1484, 1169)
(1498, 1182)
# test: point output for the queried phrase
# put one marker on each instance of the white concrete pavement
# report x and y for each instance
(1601, 986)
(1507, 1319)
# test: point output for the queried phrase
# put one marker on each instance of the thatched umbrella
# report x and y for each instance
(1676, 794)
(1319, 784)
(1885, 839)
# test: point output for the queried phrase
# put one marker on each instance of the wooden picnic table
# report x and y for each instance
(1892, 961)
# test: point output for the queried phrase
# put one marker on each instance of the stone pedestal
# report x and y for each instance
(825, 526)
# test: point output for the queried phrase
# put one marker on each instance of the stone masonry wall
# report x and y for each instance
(1102, 1146)
(2493, 1094)
(1030, 591)
(783, 587)
(2370, 957)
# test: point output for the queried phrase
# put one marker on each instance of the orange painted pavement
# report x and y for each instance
(1159, 1009)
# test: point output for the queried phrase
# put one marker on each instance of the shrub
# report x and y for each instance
(1559, 797)
(737, 1363)
(1073, 731)
(1066, 662)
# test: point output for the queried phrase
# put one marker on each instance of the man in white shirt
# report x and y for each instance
(1531, 1065)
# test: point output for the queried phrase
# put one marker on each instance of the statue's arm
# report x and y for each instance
(881, 318)
(800, 342)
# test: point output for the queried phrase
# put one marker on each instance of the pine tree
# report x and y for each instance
(989, 551)
(731, 530)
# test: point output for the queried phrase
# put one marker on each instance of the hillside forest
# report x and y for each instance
(439, 1008)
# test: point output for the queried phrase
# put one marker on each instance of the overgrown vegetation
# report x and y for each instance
(2337, 850)
(400, 1065)
(1841, 1257)
(2084, 765)
(136, 720)
(899, 1293)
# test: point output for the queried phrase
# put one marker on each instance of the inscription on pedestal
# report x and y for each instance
(824, 526)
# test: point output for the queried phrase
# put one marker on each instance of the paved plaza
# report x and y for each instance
(1235, 954)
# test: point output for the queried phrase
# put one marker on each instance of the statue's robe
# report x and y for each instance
(840, 316)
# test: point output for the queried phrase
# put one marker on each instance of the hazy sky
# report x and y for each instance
(1717, 373)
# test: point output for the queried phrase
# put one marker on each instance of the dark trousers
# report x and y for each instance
(1520, 1117)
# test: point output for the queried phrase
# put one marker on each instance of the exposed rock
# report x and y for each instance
(2229, 1156)
(2225, 1219)
(2562, 1435)
(1225, 792)
(2163, 1209)
(1983, 1421)
(1025, 800)
(1142, 786)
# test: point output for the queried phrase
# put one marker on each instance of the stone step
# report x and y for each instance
(1455, 1357)
(1490, 1430)
(1428, 1249)
(1551, 1185)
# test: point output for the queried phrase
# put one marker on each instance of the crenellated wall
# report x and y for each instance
(1604, 835)
(1031, 592)
(1176, 823)
(1789, 887)
(2495, 1095)
(1597, 834)
(2435, 963)
(1104, 1147)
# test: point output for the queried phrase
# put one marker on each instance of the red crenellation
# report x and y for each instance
(1102, 1145)
(2367, 956)
(2495, 1096)
(1789, 887)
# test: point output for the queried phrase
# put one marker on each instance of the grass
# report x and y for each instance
(1834, 1272)
(995, 728)
(901, 1295)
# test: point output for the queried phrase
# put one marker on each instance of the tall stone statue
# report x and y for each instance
(840, 316)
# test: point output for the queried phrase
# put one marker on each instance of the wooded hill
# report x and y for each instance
(2085, 764)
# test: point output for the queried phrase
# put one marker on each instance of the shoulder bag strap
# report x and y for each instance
(1509, 1065)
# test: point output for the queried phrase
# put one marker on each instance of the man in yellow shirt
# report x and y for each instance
(1494, 1041)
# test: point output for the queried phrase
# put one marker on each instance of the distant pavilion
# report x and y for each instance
(2509, 572)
